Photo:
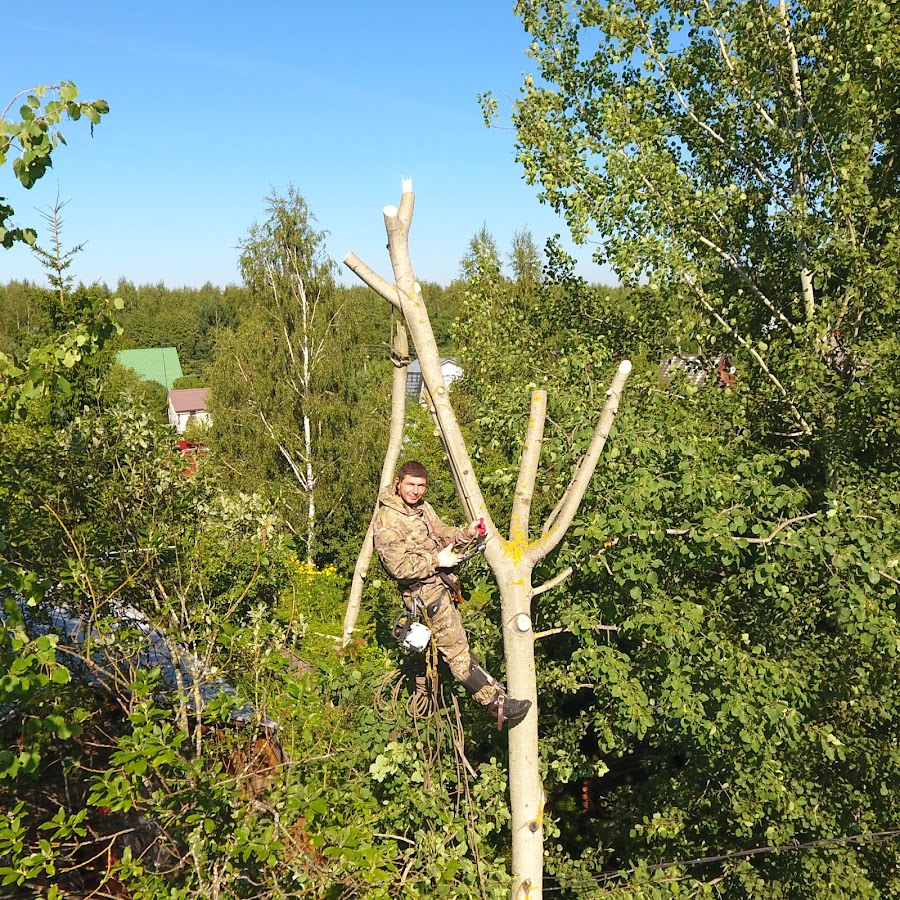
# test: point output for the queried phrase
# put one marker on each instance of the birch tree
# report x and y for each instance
(512, 559)
(265, 382)
(743, 154)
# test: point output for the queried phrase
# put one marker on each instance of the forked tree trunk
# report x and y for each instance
(511, 560)
(400, 359)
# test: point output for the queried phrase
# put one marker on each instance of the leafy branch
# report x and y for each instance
(34, 135)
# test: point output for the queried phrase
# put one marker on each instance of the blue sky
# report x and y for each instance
(213, 105)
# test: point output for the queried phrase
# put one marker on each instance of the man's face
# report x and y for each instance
(411, 489)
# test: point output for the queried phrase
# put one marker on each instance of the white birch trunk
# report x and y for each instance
(807, 288)
(306, 390)
(310, 484)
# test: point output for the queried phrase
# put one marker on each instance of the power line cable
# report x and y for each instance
(874, 837)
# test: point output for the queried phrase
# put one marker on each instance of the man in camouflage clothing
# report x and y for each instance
(416, 549)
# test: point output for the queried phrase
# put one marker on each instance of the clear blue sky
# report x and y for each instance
(213, 105)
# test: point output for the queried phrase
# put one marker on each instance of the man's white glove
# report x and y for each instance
(447, 558)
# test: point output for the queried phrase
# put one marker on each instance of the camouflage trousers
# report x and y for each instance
(450, 638)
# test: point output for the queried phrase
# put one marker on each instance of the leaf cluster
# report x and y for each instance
(33, 136)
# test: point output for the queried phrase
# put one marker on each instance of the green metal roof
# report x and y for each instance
(158, 364)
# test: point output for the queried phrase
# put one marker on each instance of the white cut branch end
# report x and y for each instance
(406, 183)
(391, 211)
(625, 366)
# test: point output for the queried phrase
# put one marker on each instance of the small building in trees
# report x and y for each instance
(415, 383)
(187, 405)
(159, 364)
(698, 370)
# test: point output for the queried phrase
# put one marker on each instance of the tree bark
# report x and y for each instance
(511, 561)
(801, 200)
(400, 358)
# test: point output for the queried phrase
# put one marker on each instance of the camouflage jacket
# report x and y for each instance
(407, 541)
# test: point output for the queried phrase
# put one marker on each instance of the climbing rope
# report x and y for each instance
(437, 722)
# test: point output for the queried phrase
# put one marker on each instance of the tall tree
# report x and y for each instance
(512, 560)
(747, 153)
(482, 253)
(294, 388)
(525, 260)
(266, 373)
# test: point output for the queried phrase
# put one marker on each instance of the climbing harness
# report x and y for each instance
(409, 628)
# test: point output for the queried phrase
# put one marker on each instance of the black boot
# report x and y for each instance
(508, 709)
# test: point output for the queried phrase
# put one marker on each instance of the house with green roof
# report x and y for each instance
(159, 364)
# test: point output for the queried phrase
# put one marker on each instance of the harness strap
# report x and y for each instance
(476, 679)
(431, 662)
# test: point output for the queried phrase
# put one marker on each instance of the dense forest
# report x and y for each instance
(718, 643)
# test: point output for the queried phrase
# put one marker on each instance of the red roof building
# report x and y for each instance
(187, 405)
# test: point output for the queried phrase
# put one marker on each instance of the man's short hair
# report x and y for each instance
(414, 469)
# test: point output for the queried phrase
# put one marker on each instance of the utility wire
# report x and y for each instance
(874, 837)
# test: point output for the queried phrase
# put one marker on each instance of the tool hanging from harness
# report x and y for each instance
(410, 630)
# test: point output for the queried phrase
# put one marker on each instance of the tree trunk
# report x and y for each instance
(400, 358)
(306, 380)
(511, 561)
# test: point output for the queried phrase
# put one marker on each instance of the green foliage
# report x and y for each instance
(20, 316)
(148, 395)
(718, 670)
(443, 307)
(302, 377)
(47, 368)
(188, 381)
(739, 656)
(744, 156)
(188, 319)
(33, 136)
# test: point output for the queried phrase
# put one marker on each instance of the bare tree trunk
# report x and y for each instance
(512, 561)
(457, 484)
(801, 200)
(400, 359)
(306, 381)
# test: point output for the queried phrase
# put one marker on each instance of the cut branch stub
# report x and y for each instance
(571, 499)
(531, 453)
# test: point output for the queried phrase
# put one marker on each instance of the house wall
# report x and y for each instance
(180, 420)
